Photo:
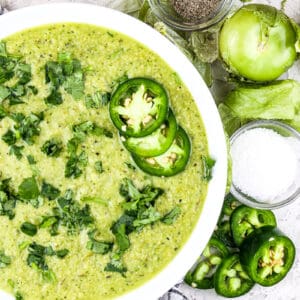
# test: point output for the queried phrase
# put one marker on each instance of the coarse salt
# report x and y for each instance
(265, 164)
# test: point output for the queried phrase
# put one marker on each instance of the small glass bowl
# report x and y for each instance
(164, 10)
(283, 130)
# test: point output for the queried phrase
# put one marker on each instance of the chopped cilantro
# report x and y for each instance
(16, 151)
(23, 73)
(4, 260)
(4, 92)
(171, 216)
(3, 113)
(116, 265)
(31, 159)
(68, 213)
(49, 191)
(9, 137)
(29, 228)
(98, 166)
(62, 253)
(208, 164)
(67, 73)
(54, 98)
(94, 199)
(97, 100)
(52, 147)
(28, 127)
(19, 296)
(8, 199)
(75, 165)
(50, 222)
(36, 259)
(29, 189)
(98, 247)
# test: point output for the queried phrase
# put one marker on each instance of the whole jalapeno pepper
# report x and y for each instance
(139, 106)
(245, 219)
(230, 278)
(267, 255)
(202, 277)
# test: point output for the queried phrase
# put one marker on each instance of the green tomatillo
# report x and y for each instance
(259, 42)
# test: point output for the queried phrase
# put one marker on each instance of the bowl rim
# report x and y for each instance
(37, 15)
(246, 199)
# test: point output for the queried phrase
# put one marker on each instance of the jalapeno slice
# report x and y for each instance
(229, 205)
(245, 219)
(138, 107)
(170, 163)
(157, 142)
(230, 278)
(267, 255)
(202, 277)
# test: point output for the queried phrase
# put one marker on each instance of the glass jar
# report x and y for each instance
(164, 10)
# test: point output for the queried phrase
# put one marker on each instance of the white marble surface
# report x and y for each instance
(288, 217)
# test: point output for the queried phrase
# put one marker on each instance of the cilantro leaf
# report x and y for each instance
(16, 151)
(29, 228)
(98, 247)
(116, 265)
(31, 159)
(9, 137)
(28, 127)
(49, 191)
(52, 147)
(68, 213)
(4, 260)
(75, 165)
(54, 98)
(208, 164)
(29, 189)
(8, 199)
(98, 166)
(4, 92)
(171, 216)
(97, 100)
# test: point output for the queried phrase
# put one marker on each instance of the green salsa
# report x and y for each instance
(105, 56)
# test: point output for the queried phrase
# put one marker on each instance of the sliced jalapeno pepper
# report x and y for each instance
(138, 107)
(230, 204)
(202, 277)
(246, 219)
(157, 142)
(223, 233)
(170, 163)
(230, 278)
(267, 255)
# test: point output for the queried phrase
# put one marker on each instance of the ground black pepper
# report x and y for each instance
(193, 10)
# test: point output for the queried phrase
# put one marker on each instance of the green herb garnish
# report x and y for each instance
(16, 151)
(67, 73)
(8, 199)
(52, 147)
(4, 260)
(98, 167)
(31, 160)
(36, 259)
(98, 247)
(29, 228)
(97, 100)
(208, 164)
(49, 191)
(171, 216)
(29, 189)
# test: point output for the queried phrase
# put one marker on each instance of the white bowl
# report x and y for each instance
(84, 13)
